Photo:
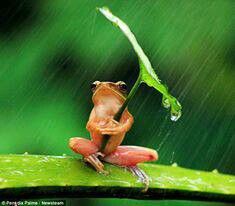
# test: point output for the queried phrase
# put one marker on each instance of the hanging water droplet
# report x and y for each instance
(26, 153)
(175, 107)
(174, 164)
(175, 116)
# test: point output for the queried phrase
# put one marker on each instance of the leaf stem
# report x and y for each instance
(118, 115)
(133, 91)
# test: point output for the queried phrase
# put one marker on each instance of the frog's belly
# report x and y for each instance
(113, 143)
(97, 139)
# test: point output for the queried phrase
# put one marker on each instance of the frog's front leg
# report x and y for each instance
(129, 157)
(89, 151)
(116, 131)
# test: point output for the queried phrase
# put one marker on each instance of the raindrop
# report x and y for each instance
(175, 108)
(7, 160)
(175, 116)
(215, 171)
(172, 157)
(174, 164)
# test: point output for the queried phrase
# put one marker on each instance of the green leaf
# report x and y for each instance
(64, 176)
(147, 73)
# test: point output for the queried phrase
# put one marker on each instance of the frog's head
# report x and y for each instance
(109, 90)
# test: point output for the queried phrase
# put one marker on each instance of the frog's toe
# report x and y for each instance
(96, 163)
(135, 170)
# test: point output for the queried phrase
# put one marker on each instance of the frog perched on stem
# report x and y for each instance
(108, 97)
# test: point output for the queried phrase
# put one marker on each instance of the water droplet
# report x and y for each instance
(215, 171)
(174, 164)
(26, 153)
(6, 160)
(15, 172)
(64, 155)
(175, 116)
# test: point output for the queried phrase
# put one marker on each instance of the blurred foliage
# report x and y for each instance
(50, 52)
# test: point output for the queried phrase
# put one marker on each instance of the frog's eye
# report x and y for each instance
(93, 85)
(122, 86)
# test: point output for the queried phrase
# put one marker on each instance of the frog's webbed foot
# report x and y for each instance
(96, 163)
(135, 170)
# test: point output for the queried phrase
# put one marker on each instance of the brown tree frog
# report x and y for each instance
(108, 98)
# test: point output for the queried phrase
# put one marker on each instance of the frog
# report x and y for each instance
(108, 98)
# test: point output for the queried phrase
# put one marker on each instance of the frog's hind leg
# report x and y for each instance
(96, 163)
(129, 157)
(83, 146)
(135, 170)
(89, 151)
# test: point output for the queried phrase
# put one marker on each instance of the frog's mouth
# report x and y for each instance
(104, 90)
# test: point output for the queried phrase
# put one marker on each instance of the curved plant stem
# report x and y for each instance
(33, 176)
(117, 116)
(128, 99)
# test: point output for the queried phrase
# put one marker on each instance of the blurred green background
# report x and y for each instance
(51, 51)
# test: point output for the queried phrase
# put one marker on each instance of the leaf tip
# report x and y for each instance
(103, 9)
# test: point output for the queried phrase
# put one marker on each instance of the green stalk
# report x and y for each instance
(38, 176)
(117, 116)
(133, 91)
